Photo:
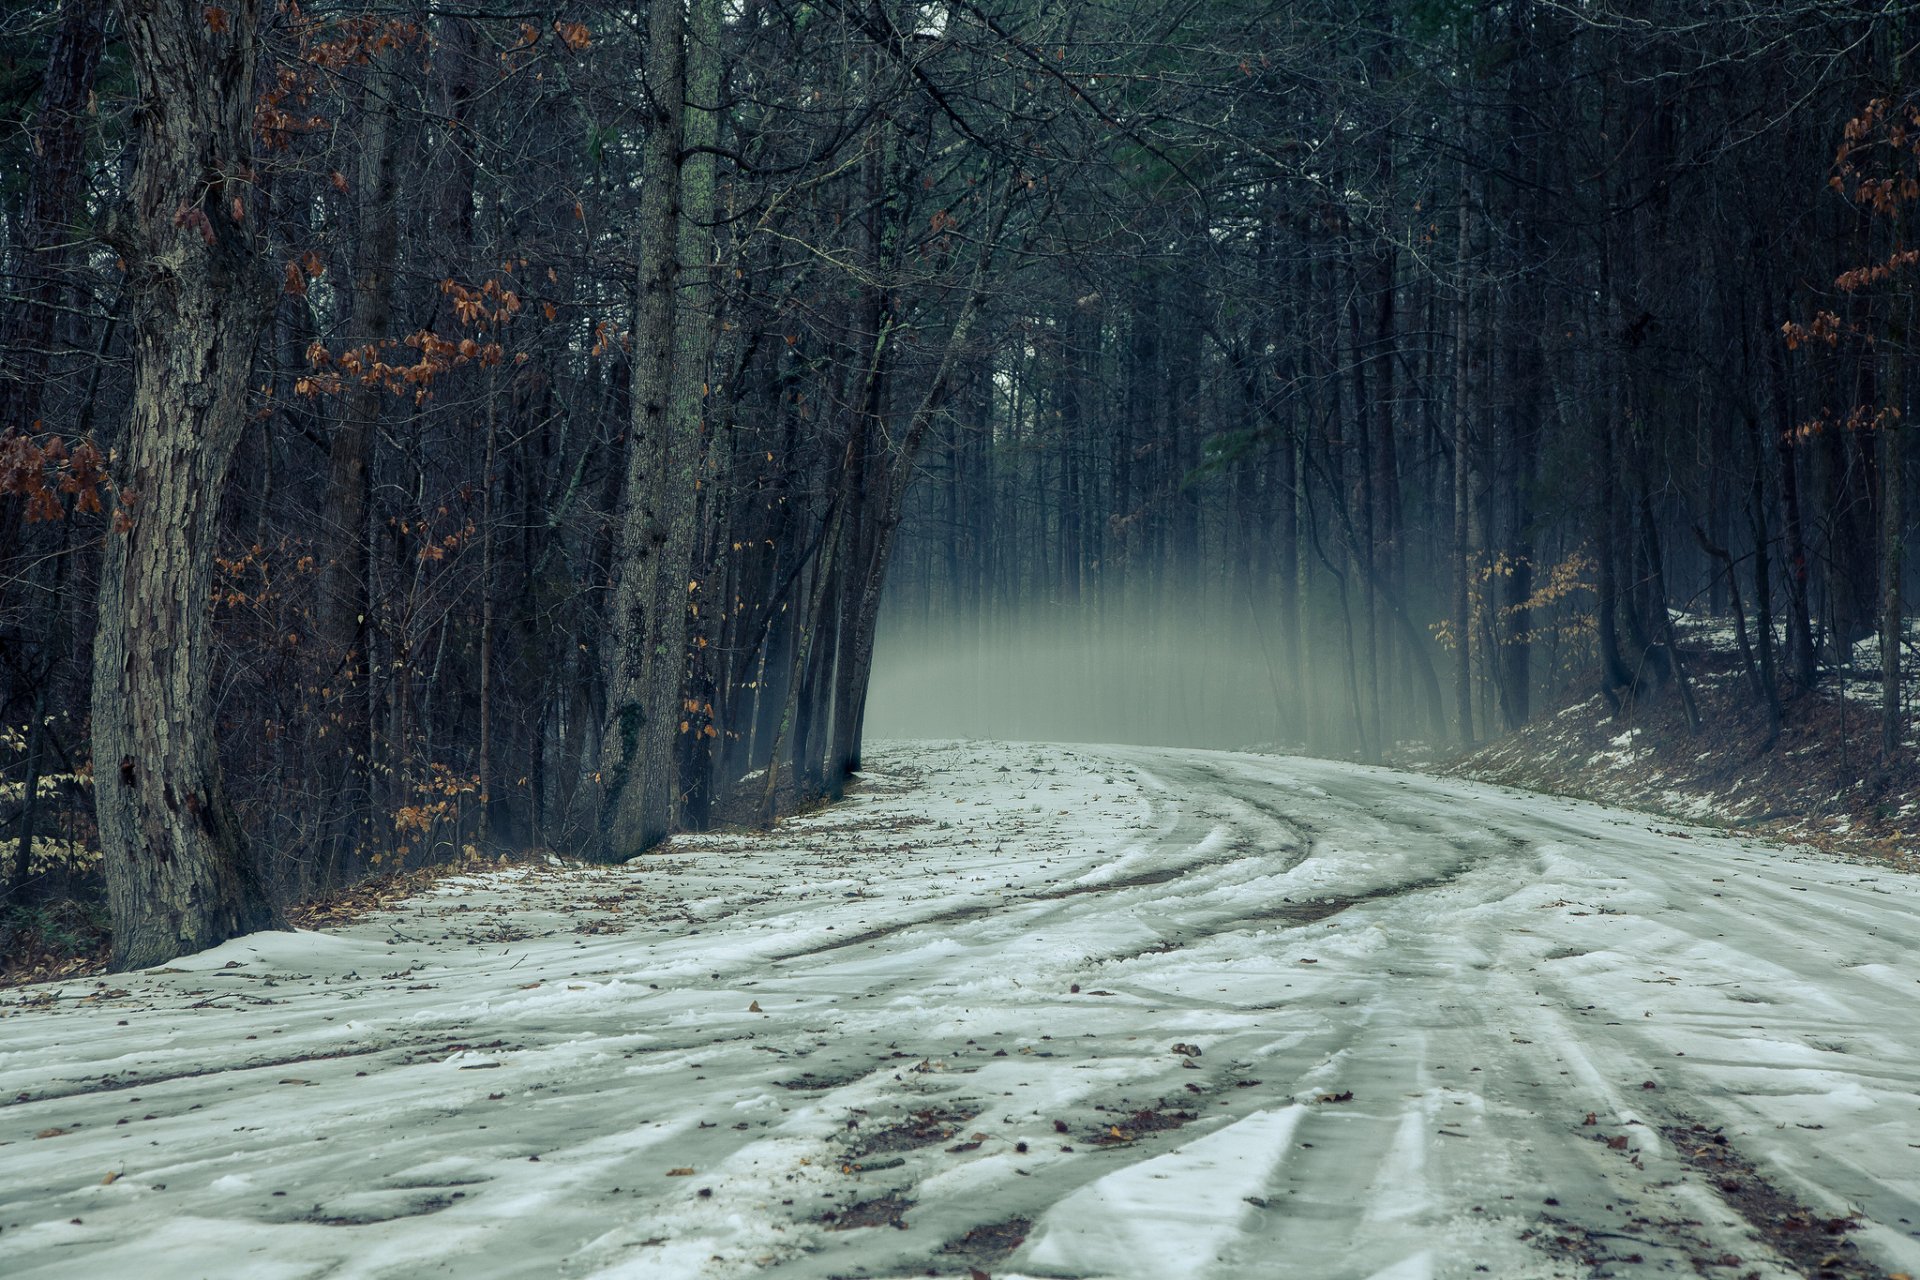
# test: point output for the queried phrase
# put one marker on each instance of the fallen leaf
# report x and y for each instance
(1591, 1119)
(110, 1179)
(682, 1172)
(755, 1008)
(1619, 1143)
(51, 1133)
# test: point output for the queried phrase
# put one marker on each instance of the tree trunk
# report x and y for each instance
(647, 626)
(347, 609)
(1892, 547)
(54, 187)
(180, 875)
(1465, 389)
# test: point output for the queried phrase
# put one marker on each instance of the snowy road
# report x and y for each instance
(1026, 1010)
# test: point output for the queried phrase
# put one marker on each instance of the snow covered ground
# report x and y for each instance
(1027, 1011)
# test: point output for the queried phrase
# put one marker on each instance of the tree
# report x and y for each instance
(181, 872)
(647, 636)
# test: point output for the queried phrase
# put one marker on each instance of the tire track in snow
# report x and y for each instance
(916, 951)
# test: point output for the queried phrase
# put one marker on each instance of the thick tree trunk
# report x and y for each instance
(647, 625)
(180, 875)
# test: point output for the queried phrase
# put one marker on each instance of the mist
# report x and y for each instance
(1171, 672)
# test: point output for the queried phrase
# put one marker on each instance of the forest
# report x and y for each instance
(428, 431)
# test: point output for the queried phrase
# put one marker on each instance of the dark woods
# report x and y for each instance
(429, 433)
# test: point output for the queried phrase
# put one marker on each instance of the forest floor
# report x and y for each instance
(1821, 781)
(1019, 1011)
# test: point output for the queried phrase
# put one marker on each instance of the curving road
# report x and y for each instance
(1020, 1010)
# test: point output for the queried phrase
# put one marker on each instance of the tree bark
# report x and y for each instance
(647, 631)
(180, 874)
(1892, 546)
(54, 187)
(347, 609)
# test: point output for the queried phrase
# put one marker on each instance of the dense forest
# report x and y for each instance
(429, 431)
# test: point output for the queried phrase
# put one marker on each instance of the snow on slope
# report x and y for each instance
(856, 1048)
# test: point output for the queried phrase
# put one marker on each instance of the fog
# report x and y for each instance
(1170, 674)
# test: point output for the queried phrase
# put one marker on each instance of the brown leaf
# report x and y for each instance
(682, 1172)
(51, 1133)
(755, 1008)
(1619, 1143)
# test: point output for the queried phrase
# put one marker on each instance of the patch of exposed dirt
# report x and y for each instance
(1128, 1127)
(990, 1241)
(1588, 1247)
(955, 915)
(808, 1081)
(922, 1128)
(1813, 1242)
(1314, 910)
(888, 1211)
